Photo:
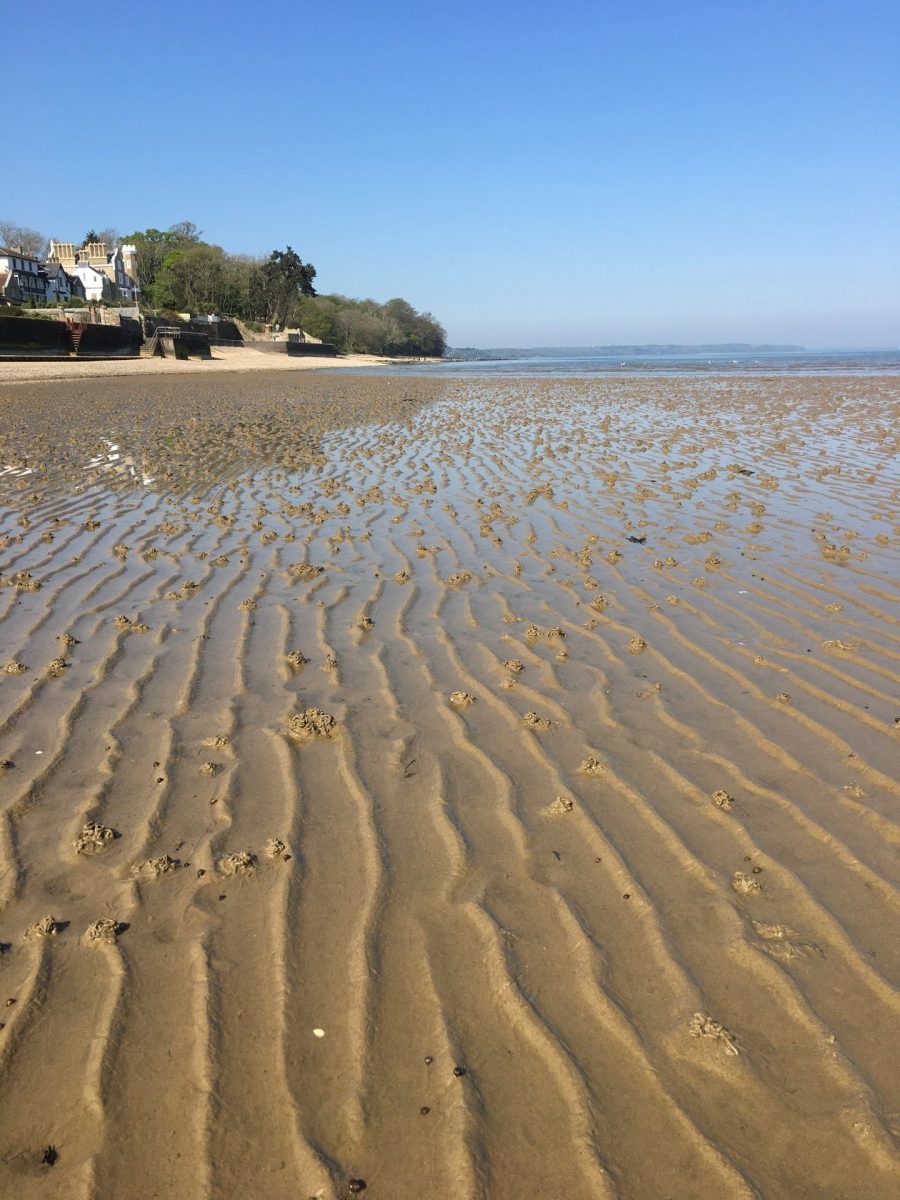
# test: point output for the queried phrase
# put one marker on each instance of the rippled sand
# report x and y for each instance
(469, 789)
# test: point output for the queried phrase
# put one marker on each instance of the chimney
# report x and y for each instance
(62, 253)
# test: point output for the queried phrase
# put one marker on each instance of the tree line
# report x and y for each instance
(178, 271)
(367, 327)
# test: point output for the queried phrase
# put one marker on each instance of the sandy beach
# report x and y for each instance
(463, 789)
(224, 359)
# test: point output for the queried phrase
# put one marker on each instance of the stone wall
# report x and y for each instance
(33, 338)
(97, 314)
(124, 340)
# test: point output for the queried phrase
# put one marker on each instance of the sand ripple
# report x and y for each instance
(500, 800)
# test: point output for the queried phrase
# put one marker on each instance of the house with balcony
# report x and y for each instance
(62, 288)
(21, 281)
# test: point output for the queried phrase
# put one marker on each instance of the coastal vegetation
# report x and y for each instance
(178, 271)
(367, 327)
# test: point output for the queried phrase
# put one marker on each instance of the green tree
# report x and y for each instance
(364, 326)
(318, 317)
(185, 233)
(284, 279)
(109, 235)
(196, 279)
(152, 246)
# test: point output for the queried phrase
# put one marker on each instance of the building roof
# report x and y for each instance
(16, 253)
(9, 281)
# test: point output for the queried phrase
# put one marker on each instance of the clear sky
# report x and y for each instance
(577, 173)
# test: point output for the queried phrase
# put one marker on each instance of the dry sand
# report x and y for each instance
(474, 790)
(224, 358)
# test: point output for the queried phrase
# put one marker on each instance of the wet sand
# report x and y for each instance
(470, 789)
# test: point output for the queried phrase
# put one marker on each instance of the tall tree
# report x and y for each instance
(185, 232)
(285, 278)
(30, 241)
(109, 237)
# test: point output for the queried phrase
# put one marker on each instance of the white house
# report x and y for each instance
(96, 283)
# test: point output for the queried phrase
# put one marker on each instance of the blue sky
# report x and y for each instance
(532, 174)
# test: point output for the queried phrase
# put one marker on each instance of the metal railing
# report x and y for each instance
(161, 331)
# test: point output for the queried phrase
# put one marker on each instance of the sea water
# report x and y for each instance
(806, 362)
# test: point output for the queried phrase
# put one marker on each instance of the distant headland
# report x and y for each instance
(653, 350)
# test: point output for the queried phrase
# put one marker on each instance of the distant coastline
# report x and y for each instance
(654, 350)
